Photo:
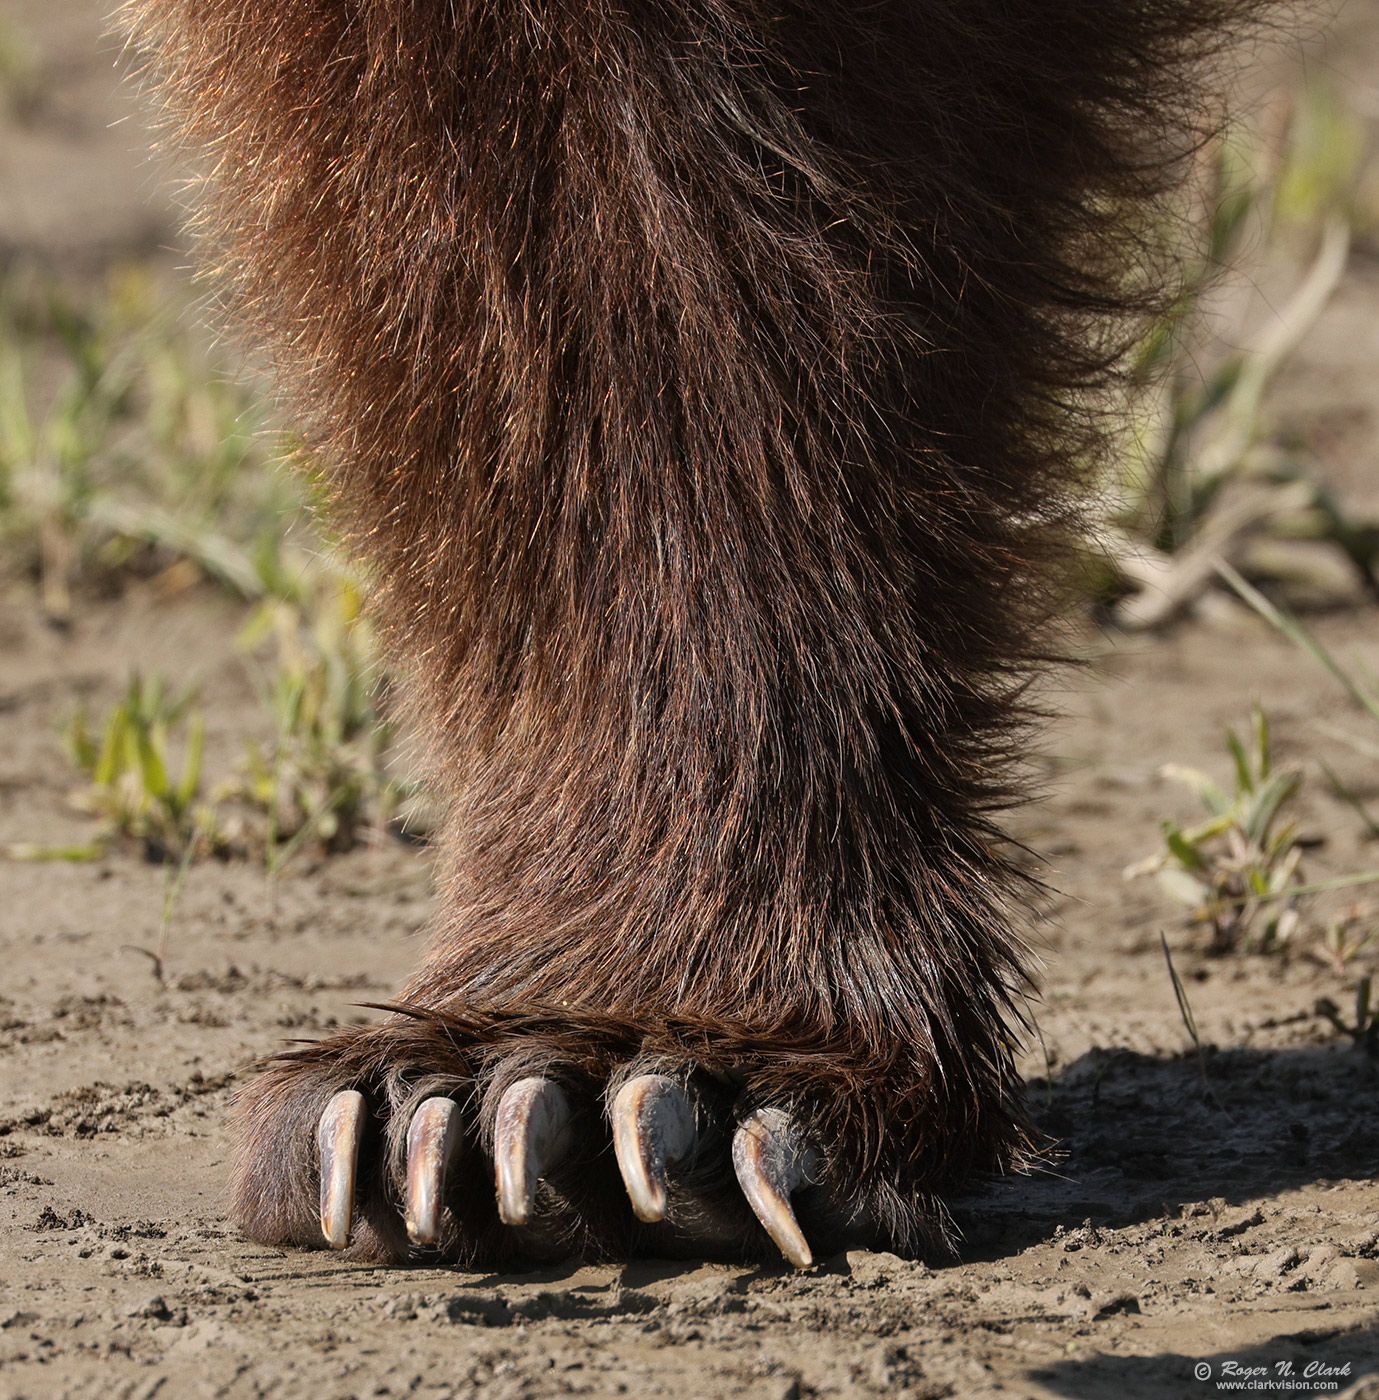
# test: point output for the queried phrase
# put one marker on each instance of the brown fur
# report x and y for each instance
(705, 384)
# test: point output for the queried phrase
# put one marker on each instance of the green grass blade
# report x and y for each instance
(1263, 742)
(1212, 796)
(191, 769)
(153, 771)
(1351, 800)
(1276, 790)
(1184, 1007)
(1296, 633)
(1244, 773)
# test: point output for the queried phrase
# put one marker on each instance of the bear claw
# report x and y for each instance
(338, 1136)
(654, 1122)
(771, 1163)
(434, 1138)
(531, 1135)
(653, 1129)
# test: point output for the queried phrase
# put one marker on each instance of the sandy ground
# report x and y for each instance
(1198, 1213)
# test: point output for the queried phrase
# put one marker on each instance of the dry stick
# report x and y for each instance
(1169, 582)
(1279, 341)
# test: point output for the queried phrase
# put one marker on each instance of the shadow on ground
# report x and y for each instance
(1135, 1136)
(1321, 1361)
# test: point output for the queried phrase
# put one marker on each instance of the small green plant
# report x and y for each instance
(1237, 871)
(1355, 933)
(1348, 937)
(323, 780)
(126, 448)
(135, 788)
(1365, 1030)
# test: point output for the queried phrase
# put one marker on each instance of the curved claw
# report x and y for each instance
(771, 1162)
(338, 1135)
(531, 1135)
(434, 1137)
(653, 1128)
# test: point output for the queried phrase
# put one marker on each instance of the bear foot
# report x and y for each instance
(484, 1139)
